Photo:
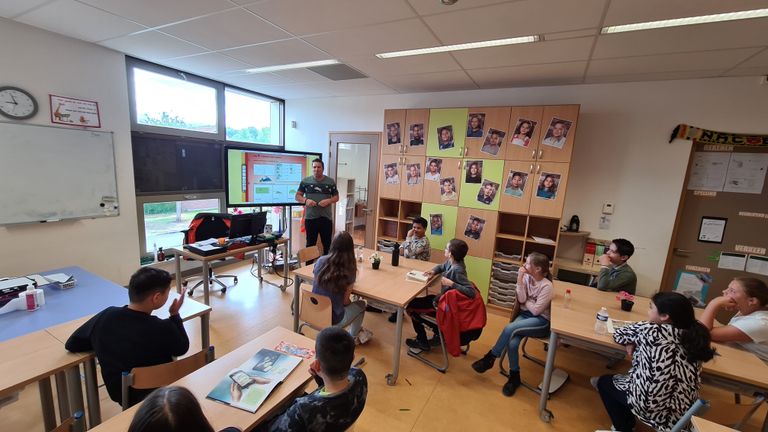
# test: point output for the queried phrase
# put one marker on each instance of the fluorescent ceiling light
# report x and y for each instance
(293, 66)
(677, 22)
(459, 47)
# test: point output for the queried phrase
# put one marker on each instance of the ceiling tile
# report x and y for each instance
(633, 11)
(363, 86)
(80, 21)
(760, 71)
(254, 81)
(301, 75)
(375, 39)
(555, 73)
(375, 66)
(704, 60)
(302, 17)
(431, 7)
(723, 35)
(12, 8)
(228, 29)
(657, 76)
(429, 82)
(153, 45)
(277, 53)
(520, 18)
(209, 64)
(760, 60)
(159, 12)
(531, 53)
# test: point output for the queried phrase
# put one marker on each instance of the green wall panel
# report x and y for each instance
(492, 170)
(479, 272)
(449, 223)
(438, 118)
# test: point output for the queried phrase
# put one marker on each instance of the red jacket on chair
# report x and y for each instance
(456, 313)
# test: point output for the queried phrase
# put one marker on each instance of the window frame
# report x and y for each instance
(281, 120)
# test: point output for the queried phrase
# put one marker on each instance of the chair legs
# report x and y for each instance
(213, 279)
(439, 367)
(559, 376)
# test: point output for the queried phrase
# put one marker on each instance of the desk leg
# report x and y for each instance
(286, 264)
(206, 284)
(392, 377)
(205, 329)
(46, 403)
(75, 389)
(92, 392)
(296, 285)
(259, 261)
(61, 395)
(544, 414)
(178, 273)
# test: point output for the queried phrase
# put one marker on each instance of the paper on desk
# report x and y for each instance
(39, 279)
(206, 247)
(732, 261)
(59, 277)
(757, 264)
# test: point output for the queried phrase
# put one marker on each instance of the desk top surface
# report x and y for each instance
(702, 425)
(387, 284)
(204, 379)
(578, 321)
(245, 249)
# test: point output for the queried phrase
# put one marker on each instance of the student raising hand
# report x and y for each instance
(175, 306)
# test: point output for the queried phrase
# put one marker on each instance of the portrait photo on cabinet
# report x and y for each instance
(475, 123)
(436, 224)
(390, 174)
(393, 133)
(557, 133)
(474, 171)
(487, 192)
(515, 186)
(523, 132)
(414, 174)
(448, 189)
(493, 141)
(548, 183)
(416, 134)
(434, 167)
(445, 137)
(474, 227)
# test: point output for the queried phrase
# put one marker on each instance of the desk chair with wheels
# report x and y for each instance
(459, 317)
(151, 377)
(206, 226)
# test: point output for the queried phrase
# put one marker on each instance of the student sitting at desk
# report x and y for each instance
(615, 274)
(749, 327)
(341, 394)
(130, 336)
(172, 409)
(415, 246)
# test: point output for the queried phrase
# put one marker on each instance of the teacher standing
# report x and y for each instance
(317, 192)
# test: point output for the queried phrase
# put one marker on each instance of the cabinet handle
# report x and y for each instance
(465, 151)
(530, 170)
(405, 148)
(458, 165)
(540, 153)
(533, 154)
(538, 169)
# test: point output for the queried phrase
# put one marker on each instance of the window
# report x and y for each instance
(164, 221)
(168, 102)
(252, 119)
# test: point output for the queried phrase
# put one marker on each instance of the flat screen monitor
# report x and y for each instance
(264, 178)
(248, 224)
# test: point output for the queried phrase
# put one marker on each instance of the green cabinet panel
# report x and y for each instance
(492, 170)
(456, 120)
(479, 272)
(448, 214)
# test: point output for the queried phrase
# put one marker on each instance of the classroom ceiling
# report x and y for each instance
(219, 39)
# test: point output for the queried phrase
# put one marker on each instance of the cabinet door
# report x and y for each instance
(524, 131)
(516, 187)
(479, 272)
(484, 191)
(558, 133)
(487, 132)
(435, 188)
(442, 226)
(478, 229)
(412, 178)
(415, 134)
(395, 132)
(390, 176)
(548, 183)
(446, 132)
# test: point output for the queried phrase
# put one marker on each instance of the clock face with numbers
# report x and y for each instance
(17, 104)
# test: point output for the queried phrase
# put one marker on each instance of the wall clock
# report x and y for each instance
(17, 104)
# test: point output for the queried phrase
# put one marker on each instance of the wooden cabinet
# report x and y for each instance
(494, 122)
(549, 183)
(412, 178)
(450, 169)
(558, 133)
(517, 185)
(525, 128)
(395, 132)
(390, 176)
(478, 229)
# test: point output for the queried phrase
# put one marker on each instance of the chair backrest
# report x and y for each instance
(308, 253)
(150, 377)
(316, 309)
(206, 226)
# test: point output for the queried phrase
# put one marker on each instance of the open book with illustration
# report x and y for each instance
(248, 386)
(614, 324)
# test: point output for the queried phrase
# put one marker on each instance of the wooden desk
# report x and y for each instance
(386, 285)
(732, 369)
(203, 380)
(206, 260)
(702, 425)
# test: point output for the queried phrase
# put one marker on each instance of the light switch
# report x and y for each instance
(608, 208)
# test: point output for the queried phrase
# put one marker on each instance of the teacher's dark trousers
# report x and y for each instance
(322, 226)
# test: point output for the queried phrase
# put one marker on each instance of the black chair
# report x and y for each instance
(206, 226)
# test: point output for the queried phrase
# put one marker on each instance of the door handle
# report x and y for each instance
(678, 251)
(465, 151)
(541, 152)
(533, 154)
(538, 169)
(530, 170)
(458, 164)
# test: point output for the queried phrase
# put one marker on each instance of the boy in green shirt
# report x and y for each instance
(615, 274)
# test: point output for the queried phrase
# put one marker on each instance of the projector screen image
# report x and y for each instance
(263, 178)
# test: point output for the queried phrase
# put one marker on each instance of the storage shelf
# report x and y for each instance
(391, 219)
(574, 234)
(510, 236)
(576, 266)
(507, 260)
(383, 237)
(498, 310)
(531, 240)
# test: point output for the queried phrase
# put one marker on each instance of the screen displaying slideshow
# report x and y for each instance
(263, 178)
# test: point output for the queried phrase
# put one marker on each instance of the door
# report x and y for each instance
(558, 133)
(487, 132)
(691, 261)
(525, 128)
(517, 184)
(395, 133)
(412, 178)
(349, 153)
(442, 181)
(415, 134)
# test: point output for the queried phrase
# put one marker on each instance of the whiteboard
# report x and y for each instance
(52, 173)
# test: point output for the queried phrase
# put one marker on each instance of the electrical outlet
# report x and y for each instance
(608, 208)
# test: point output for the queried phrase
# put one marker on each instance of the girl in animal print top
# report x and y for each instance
(667, 352)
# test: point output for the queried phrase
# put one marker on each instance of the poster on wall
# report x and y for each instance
(708, 171)
(74, 112)
(693, 285)
(712, 229)
(746, 173)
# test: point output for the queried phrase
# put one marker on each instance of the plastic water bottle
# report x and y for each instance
(601, 321)
(567, 299)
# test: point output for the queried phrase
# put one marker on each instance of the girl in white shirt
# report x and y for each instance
(749, 327)
(534, 295)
